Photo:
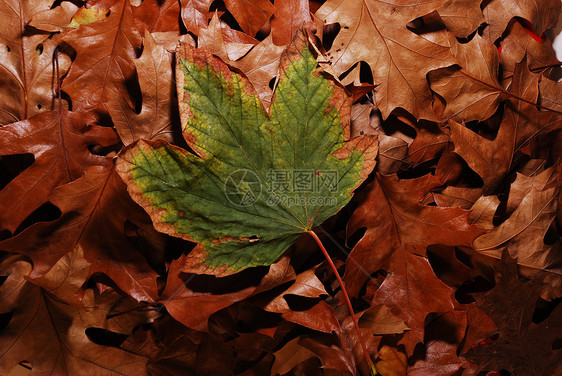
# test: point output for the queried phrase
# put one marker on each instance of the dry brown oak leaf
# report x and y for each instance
(60, 143)
(52, 336)
(541, 14)
(523, 346)
(399, 59)
(159, 112)
(534, 200)
(115, 234)
(521, 122)
(517, 44)
(105, 51)
(27, 73)
(471, 88)
(398, 231)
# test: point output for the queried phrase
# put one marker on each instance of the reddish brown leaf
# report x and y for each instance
(195, 14)
(461, 17)
(289, 16)
(95, 212)
(59, 142)
(52, 335)
(156, 16)
(193, 308)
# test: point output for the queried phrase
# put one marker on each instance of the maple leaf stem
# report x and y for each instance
(347, 301)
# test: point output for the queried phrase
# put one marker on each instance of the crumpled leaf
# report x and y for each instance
(59, 141)
(27, 74)
(52, 335)
(523, 346)
(177, 187)
(498, 14)
(399, 59)
(156, 118)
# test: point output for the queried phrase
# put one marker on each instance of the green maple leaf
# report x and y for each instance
(258, 181)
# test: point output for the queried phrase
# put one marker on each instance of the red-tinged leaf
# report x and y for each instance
(251, 15)
(104, 57)
(517, 44)
(159, 110)
(27, 73)
(95, 212)
(60, 143)
(439, 354)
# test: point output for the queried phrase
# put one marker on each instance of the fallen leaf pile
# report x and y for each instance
(446, 117)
